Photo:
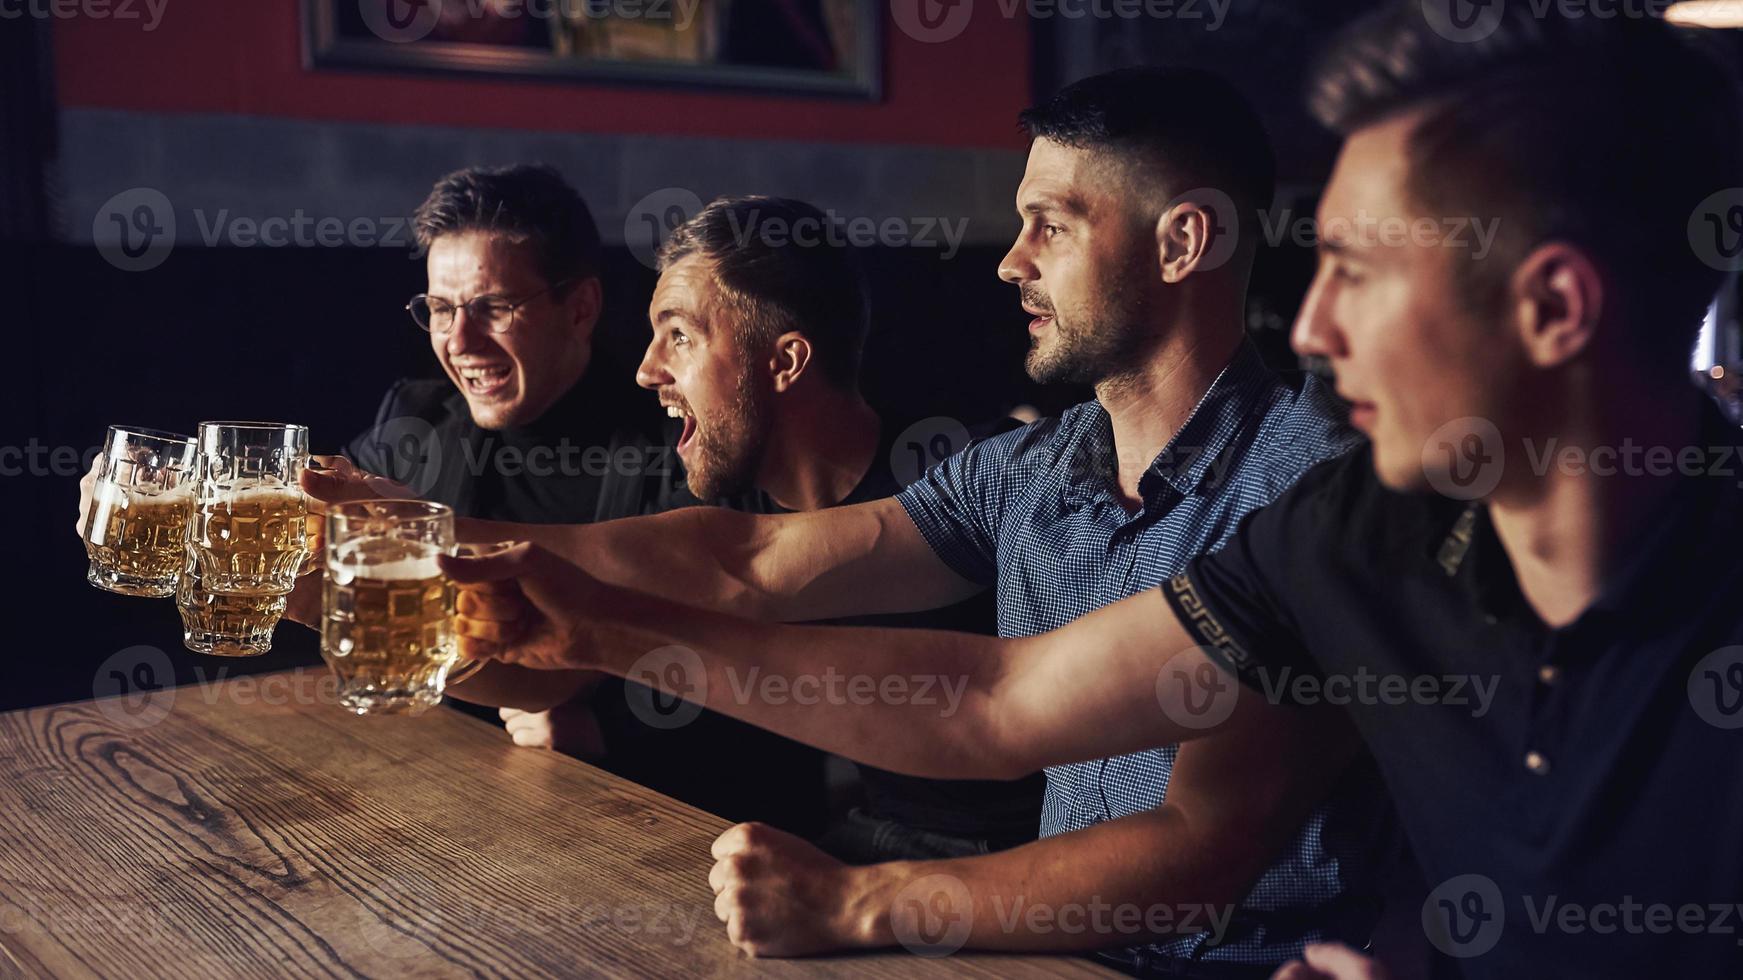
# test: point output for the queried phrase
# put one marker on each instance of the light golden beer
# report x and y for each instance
(225, 625)
(251, 537)
(388, 625)
(138, 534)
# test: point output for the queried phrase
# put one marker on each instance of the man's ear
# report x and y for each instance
(792, 358)
(585, 301)
(1183, 238)
(1556, 298)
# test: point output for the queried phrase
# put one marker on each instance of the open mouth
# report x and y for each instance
(689, 434)
(486, 381)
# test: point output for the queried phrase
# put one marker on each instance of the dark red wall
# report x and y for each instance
(245, 56)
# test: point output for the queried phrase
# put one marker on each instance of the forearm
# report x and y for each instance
(704, 556)
(500, 685)
(1119, 883)
(912, 701)
(858, 560)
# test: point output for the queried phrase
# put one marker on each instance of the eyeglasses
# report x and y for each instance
(437, 315)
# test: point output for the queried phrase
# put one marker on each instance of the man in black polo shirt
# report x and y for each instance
(1527, 593)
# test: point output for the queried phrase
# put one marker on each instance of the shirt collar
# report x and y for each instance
(1193, 454)
(1660, 563)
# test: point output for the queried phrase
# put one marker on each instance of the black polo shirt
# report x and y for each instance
(1574, 795)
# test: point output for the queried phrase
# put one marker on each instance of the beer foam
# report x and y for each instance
(405, 561)
(246, 491)
(183, 494)
(111, 494)
(404, 570)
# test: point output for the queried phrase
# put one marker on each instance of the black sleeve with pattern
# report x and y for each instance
(1240, 603)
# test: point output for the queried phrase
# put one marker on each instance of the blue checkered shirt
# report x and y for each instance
(1035, 511)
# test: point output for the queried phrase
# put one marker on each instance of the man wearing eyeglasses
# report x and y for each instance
(532, 427)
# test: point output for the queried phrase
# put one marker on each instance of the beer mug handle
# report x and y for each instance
(315, 524)
(464, 670)
(315, 535)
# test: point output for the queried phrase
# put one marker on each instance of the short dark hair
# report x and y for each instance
(1181, 127)
(781, 266)
(1606, 133)
(527, 203)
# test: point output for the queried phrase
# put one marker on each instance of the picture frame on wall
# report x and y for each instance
(820, 47)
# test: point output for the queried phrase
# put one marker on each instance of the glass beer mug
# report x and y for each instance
(387, 611)
(139, 511)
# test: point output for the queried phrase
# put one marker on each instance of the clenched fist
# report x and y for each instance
(781, 896)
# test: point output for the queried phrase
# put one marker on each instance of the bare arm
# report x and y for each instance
(843, 561)
(499, 685)
(927, 703)
(1234, 801)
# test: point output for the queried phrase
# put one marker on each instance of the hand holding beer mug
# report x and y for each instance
(140, 505)
(387, 623)
(524, 605)
(248, 539)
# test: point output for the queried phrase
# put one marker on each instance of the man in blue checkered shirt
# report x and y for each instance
(1219, 859)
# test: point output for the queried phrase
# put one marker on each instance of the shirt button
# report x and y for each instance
(1549, 673)
(1537, 762)
(1489, 619)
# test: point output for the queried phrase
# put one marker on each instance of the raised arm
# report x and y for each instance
(858, 560)
(844, 561)
(927, 703)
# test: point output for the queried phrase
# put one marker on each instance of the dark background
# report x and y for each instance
(315, 335)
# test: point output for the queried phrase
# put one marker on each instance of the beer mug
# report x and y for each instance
(139, 513)
(249, 533)
(387, 611)
(224, 624)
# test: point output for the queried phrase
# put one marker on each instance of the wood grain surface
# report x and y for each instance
(252, 828)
